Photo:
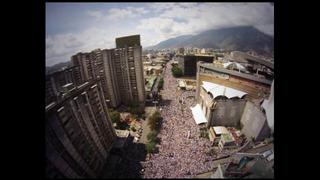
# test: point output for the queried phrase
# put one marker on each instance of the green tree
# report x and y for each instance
(155, 120)
(150, 147)
(176, 71)
(160, 85)
(152, 136)
(134, 108)
(114, 116)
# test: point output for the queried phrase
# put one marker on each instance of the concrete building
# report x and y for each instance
(130, 70)
(97, 64)
(227, 141)
(188, 63)
(255, 86)
(79, 133)
(255, 118)
(181, 51)
(120, 69)
(56, 80)
(254, 122)
(218, 105)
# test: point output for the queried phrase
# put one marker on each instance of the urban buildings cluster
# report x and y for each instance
(217, 118)
(79, 132)
(231, 104)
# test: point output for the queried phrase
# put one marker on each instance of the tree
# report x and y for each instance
(134, 108)
(150, 147)
(155, 120)
(176, 71)
(152, 136)
(114, 116)
(160, 85)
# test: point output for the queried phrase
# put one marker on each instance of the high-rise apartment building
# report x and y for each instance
(79, 133)
(120, 70)
(56, 81)
(128, 58)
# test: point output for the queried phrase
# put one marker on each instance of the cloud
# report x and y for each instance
(155, 22)
(193, 18)
(59, 48)
(96, 14)
(118, 14)
(115, 14)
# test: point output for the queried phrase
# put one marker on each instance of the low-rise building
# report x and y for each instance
(218, 105)
(227, 141)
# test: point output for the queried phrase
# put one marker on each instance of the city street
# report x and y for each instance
(182, 152)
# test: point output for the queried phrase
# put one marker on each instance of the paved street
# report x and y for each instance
(182, 153)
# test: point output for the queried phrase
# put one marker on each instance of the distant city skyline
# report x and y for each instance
(75, 27)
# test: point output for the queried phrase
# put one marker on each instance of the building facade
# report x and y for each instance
(120, 70)
(255, 87)
(188, 63)
(56, 81)
(221, 106)
(79, 132)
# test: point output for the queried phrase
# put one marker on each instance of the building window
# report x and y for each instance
(84, 99)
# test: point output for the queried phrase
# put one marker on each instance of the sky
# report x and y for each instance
(82, 27)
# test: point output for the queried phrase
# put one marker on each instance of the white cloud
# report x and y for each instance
(61, 47)
(155, 22)
(97, 14)
(163, 27)
(115, 14)
(192, 18)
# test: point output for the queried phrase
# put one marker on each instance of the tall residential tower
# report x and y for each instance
(120, 70)
(79, 132)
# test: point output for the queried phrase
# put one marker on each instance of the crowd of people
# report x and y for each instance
(182, 153)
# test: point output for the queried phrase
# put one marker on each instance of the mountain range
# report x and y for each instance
(242, 38)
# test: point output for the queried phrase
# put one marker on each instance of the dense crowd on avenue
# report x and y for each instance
(182, 152)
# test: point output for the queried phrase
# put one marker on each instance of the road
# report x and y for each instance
(181, 153)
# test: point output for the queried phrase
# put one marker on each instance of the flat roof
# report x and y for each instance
(220, 130)
(227, 137)
(127, 41)
(235, 73)
(255, 59)
(198, 114)
(122, 133)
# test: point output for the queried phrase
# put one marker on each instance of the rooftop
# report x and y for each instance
(219, 90)
(127, 41)
(198, 114)
(122, 133)
(220, 130)
(236, 73)
(227, 137)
